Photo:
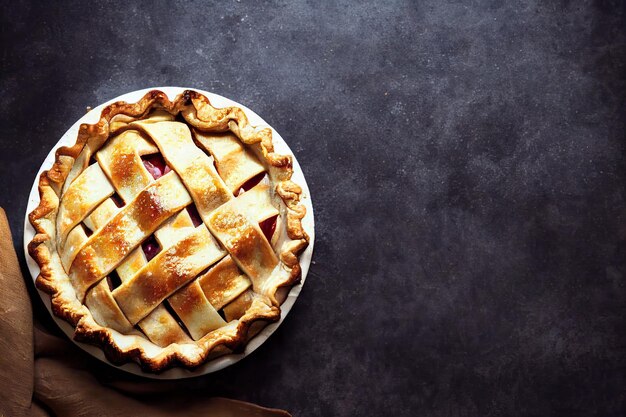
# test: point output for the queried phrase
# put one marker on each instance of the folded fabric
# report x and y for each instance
(40, 374)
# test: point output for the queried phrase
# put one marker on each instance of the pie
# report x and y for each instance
(170, 233)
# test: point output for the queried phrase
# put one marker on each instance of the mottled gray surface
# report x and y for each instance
(466, 163)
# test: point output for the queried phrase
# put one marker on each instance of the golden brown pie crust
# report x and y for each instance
(197, 112)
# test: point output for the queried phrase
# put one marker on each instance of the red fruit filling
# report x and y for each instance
(155, 164)
(113, 279)
(117, 200)
(268, 227)
(250, 183)
(195, 216)
(150, 247)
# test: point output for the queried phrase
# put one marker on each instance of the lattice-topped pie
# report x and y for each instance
(169, 234)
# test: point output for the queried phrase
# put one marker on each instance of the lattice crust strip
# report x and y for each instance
(168, 264)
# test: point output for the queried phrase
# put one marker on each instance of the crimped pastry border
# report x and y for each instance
(198, 112)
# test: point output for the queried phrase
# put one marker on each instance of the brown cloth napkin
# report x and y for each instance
(41, 376)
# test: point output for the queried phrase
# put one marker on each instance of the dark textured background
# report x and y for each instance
(466, 162)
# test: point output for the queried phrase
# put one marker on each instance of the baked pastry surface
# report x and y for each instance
(169, 234)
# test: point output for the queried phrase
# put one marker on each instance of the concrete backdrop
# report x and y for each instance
(466, 163)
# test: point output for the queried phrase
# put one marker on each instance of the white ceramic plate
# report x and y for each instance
(69, 138)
